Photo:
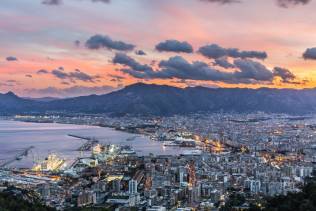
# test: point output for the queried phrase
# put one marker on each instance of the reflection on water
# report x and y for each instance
(53, 138)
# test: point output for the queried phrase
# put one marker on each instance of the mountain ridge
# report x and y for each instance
(164, 100)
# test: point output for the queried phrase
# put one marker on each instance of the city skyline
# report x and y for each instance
(50, 50)
(157, 105)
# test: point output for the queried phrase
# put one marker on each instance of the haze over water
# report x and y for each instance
(53, 138)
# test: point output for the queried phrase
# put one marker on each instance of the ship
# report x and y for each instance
(131, 138)
(191, 152)
(170, 144)
(127, 150)
(184, 142)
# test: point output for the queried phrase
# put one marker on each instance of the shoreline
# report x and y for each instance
(74, 123)
(143, 145)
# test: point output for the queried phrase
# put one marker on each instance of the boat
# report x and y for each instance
(170, 144)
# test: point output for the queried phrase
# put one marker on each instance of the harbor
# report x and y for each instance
(65, 140)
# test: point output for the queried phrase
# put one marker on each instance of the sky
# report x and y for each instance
(66, 48)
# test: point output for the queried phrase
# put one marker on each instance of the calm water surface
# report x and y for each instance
(53, 138)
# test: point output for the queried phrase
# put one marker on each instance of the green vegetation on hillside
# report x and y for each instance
(304, 200)
(9, 202)
(301, 201)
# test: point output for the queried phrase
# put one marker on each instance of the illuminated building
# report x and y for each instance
(148, 183)
(52, 163)
(97, 149)
(192, 175)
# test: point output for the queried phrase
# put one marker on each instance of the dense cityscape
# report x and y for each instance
(252, 155)
(157, 105)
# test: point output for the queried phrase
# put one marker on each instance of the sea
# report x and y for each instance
(48, 138)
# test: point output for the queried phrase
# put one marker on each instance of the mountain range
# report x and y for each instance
(161, 100)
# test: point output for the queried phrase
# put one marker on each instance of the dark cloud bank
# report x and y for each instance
(175, 46)
(310, 54)
(11, 59)
(70, 77)
(215, 51)
(245, 70)
(59, 2)
(280, 3)
(104, 41)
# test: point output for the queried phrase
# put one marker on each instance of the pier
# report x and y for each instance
(91, 141)
(18, 156)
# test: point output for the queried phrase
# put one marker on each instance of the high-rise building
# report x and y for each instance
(116, 185)
(86, 198)
(255, 186)
(181, 175)
(132, 186)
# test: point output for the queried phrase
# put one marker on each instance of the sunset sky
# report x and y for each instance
(65, 48)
